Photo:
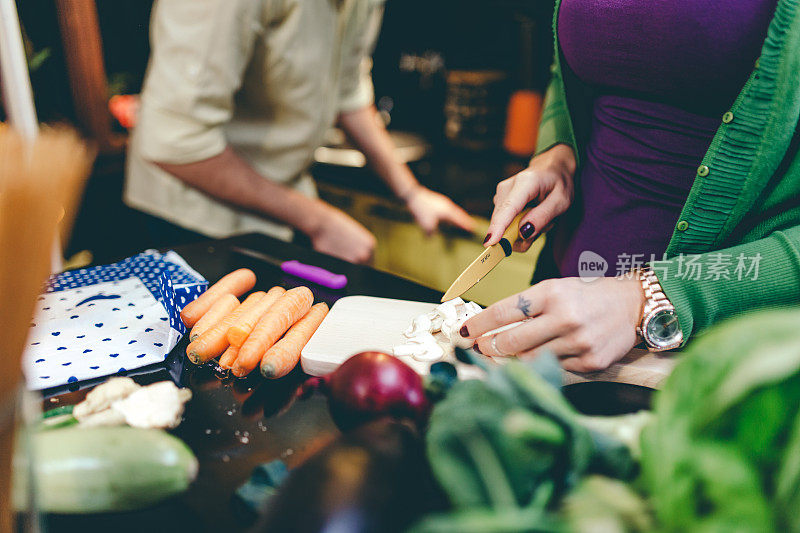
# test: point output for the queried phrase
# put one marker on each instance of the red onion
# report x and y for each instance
(371, 385)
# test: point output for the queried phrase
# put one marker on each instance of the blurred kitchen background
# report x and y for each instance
(458, 82)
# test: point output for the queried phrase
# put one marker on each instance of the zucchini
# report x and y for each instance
(103, 469)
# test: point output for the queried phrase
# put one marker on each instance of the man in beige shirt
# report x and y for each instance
(238, 95)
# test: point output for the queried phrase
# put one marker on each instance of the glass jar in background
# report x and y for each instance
(475, 108)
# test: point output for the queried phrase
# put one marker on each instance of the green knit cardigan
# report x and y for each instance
(743, 210)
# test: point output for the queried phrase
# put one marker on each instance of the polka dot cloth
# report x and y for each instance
(174, 299)
(105, 320)
(147, 266)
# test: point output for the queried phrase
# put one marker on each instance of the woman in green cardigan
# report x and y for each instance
(667, 161)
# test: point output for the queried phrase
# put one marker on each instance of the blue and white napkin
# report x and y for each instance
(98, 321)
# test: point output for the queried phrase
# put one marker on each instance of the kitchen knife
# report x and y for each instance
(312, 273)
(486, 261)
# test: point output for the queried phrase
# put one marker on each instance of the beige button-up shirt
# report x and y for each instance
(267, 77)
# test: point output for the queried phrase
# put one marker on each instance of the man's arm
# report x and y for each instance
(363, 127)
(229, 178)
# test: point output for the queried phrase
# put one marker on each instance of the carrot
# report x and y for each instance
(238, 332)
(289, 308)
(285, 354)
(214, 341)
(237, 283)
(218, 311)
(227, 359)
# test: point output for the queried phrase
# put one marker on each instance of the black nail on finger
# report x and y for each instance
(488, 236)
(463, 332)
(527, 230)
(477, 349)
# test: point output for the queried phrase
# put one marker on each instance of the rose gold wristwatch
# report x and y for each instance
(659, 325)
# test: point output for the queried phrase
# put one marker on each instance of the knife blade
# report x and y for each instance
(485, 262)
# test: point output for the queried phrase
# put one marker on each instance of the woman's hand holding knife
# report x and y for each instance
(548, 182)
(588, 323)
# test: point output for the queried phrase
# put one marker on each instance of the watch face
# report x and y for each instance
(663, 328)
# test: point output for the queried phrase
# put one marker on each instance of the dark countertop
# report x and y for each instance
(234, 425)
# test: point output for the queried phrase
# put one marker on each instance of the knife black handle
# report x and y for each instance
(506, 246)
(512, 232)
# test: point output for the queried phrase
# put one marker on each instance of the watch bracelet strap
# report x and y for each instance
(653, 293)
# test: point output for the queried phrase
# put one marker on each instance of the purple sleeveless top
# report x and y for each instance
(664, 72)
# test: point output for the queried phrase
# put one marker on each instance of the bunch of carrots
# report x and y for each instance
(267, 329)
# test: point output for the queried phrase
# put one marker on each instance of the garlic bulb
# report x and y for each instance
(120, 401)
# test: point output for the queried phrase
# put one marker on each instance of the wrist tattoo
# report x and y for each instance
(524, 305)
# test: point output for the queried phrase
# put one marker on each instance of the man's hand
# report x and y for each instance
(430, 209)
(339, 235)
(589, 325)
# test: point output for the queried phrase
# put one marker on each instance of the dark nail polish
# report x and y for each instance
(463, 332)
(527, 230)
(477, 349)
(488, 236)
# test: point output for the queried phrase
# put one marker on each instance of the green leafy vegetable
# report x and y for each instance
(601, 504)
(506, 449)
(533, 520)
(723, 452)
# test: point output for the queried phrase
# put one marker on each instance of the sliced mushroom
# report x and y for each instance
(421, 324)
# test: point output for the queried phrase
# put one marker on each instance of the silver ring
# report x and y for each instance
(496, 350)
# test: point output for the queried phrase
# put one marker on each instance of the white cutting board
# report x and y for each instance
(362, 323)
